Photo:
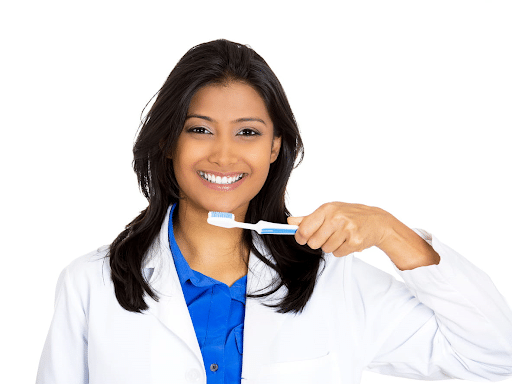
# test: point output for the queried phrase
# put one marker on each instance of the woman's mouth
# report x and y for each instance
(221, 180)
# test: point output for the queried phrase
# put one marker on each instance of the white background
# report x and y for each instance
(403, 105)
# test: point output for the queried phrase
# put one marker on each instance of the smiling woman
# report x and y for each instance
(222, 112)
(187, 301)
(221, 162)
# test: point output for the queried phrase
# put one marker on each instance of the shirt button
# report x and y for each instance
(193, 375)
(214, 367)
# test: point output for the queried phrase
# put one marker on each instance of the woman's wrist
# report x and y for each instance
(406, 249)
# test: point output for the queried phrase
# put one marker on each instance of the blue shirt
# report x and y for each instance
(217, 312)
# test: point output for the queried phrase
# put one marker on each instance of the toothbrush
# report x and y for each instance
(227, 220)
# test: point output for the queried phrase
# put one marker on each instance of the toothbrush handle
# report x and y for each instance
(267, 228)
(245, 225)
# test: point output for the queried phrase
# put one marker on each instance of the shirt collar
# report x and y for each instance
(185, 273)
(238, 289)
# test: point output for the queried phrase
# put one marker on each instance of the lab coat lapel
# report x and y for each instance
(262, 324)
(171, 309)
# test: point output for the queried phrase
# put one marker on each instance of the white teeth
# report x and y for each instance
(220, 180)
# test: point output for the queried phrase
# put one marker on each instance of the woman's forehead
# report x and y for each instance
(229, 102)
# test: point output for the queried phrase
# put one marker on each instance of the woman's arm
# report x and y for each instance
(64, 356)
(457, 326)
(447, 321)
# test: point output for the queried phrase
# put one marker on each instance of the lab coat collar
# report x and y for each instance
(261, 325)
(171, 309)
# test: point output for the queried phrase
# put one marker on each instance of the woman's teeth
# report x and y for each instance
(220, 180)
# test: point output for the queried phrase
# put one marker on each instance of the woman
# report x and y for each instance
(174, 299)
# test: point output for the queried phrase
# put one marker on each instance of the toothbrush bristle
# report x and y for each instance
(221, 215)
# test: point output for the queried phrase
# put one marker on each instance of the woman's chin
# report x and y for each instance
(218, 204)
(230, 207)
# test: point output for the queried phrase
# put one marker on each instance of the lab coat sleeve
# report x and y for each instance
(447, 321)
(64, 357)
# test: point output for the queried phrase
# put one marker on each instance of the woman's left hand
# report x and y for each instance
(342, 228)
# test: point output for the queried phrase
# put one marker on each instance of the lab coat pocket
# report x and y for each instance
(318, 370)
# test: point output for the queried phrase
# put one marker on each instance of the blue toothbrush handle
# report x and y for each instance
(277, 231)
(267, 228)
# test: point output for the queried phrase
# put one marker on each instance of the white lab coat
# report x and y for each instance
(448, 320)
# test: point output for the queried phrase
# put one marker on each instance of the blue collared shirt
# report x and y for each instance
(217, 312)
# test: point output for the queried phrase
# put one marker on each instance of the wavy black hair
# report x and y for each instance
(215, 62)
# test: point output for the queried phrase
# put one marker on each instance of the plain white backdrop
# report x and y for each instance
(404, 105)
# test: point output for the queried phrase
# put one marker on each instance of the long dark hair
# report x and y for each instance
(215, 62)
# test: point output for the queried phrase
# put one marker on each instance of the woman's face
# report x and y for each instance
(225, 150)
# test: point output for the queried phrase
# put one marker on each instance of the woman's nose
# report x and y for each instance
(223, 152)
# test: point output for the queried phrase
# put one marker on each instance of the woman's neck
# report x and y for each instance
(214, 251)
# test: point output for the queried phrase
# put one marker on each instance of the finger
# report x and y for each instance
(308, 226)
(335, 241)
(323, 234)
(344, 250)
(295, 220)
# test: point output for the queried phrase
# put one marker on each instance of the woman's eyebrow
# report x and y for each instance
(240, 120)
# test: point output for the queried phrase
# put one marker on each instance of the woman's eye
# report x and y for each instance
(200, 130)
(248, 132)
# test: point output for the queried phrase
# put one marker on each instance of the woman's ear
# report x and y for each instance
(276, 146)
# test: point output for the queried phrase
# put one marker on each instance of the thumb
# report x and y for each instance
(295, 220)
